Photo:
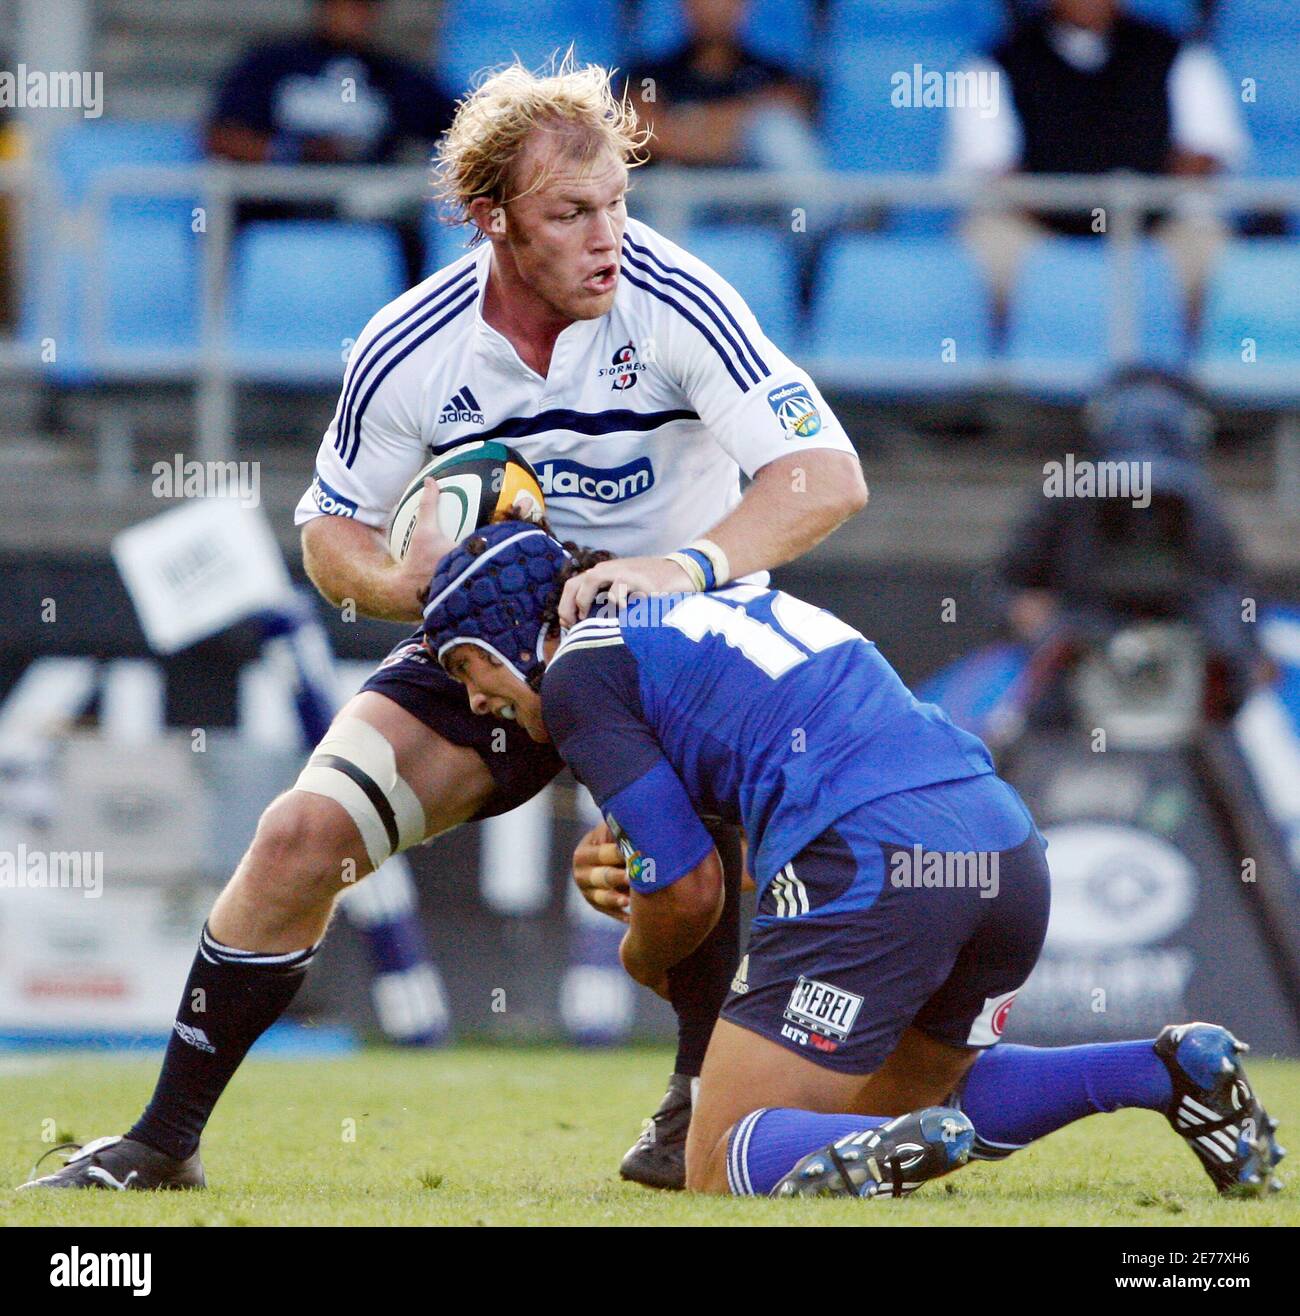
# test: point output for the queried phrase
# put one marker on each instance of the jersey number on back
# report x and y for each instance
(766, 646)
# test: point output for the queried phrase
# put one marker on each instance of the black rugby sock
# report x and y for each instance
(700, 983)
(231, 998)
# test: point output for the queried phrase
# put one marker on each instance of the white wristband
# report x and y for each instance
(716, 555)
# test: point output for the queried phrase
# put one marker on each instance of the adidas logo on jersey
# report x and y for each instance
(461, 409)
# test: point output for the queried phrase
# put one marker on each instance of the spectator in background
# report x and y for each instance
(329, 97)
(714, 102)
(1089, 89)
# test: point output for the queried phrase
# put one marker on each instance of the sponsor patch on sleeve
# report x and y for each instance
(640, 870)
(795, 409)
(330, 501)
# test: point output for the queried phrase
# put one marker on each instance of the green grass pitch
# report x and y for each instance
(533, 1137)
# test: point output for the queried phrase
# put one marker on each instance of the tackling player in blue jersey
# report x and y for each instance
(902, 887)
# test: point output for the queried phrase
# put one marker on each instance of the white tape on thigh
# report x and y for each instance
(356, 766)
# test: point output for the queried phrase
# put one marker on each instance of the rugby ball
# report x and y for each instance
(478, 483)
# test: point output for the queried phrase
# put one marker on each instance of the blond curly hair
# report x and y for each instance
(476, 156)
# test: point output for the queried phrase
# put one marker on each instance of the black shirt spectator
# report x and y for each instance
(313, 100)
(713, 101)
(681, 81)
(1087, 88)
(329, 97)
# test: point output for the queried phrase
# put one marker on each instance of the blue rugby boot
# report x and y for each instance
(1216, 1110)
(888, 1161)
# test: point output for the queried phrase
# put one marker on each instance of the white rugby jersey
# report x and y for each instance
(639, 431)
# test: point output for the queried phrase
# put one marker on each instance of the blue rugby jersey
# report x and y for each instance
(747, 703)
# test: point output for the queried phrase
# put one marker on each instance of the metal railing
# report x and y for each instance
(665, 197)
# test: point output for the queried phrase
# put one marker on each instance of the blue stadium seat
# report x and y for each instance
(1271, 118)
(145, 303)
(87, 149)
(474, 36)
(886, 307)
(780, 30)
(1254, 20)
(153, 285)
(1058, 315)
(973, 24)
(759, 264)
(1254, 294)
(301, 288)
(864, 130)
(145, 300)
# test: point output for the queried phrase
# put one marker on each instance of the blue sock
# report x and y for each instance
(767, 1144)
(1014, 1094)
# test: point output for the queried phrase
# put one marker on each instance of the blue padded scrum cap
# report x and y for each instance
(491, 591)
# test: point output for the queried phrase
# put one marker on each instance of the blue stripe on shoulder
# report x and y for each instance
(366, 360)
(396, 360)
(741, 383)
(650, 272)
(712, 294)
(359, 364)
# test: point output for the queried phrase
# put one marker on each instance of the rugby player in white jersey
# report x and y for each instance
(640, 386)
